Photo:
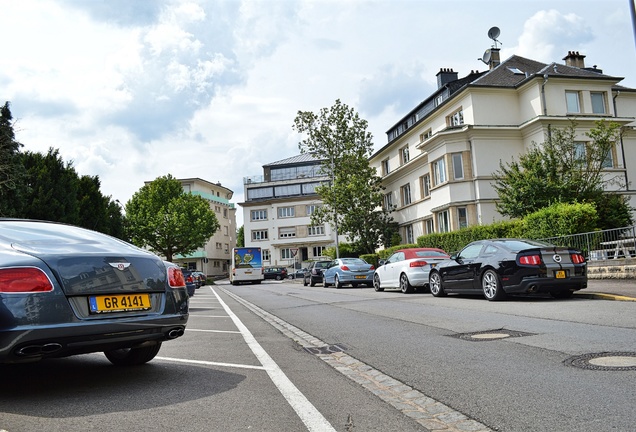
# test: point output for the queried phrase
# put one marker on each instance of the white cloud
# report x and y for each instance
(202, 88)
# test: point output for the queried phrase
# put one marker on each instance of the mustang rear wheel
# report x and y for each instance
(492, 286)
(435, 283)
(132, 356)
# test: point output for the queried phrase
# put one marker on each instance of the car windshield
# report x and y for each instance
(322, 264)
(430, 254)
(357, 261)
(519, 245)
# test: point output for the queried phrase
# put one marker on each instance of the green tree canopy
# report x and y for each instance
(564, 170)
(11, 170)
(169, 221)
(52, 188)
(240, 236)
(352, 201)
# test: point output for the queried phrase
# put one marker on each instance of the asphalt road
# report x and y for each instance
(283, 357)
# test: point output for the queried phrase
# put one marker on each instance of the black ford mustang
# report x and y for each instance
(66, 290)
(510, 266)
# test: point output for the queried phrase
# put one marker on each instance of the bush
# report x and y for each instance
(371, 259)
(560, 219)
(454, 241)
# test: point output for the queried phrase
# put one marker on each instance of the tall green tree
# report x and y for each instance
(11, 170)
(169, 221)
(240, 236)
(52, 188)
(564, 170)
(352, 200)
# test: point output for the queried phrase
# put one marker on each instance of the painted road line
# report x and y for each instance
(208, 363)
(310, 416)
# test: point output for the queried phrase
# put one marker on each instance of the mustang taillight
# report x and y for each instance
(577, 258)
(24, 280)
(530, 260)
(175, 278)
(418, 264)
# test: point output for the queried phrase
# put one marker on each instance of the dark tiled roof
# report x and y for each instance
(507, 73)
(304, 158)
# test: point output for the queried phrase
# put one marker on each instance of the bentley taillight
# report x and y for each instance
(175, 278)
(24, 280)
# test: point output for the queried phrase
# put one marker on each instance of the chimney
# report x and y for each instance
(494, 58)
(575, 59)
(444, 76)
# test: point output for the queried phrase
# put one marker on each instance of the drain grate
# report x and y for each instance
(604, 361)
(326, 349)
(490, 335)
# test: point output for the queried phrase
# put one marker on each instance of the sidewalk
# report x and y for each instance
(609, 289)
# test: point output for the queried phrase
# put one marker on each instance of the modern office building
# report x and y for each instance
(277, 212)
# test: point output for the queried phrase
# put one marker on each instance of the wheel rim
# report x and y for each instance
(376, 282)
(434, 283)
(403, 283)
(489, 284)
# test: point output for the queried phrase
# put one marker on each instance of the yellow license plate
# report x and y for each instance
(119, 303)
(361, 277)
(560, 274)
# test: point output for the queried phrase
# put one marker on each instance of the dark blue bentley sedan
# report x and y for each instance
(66, 290)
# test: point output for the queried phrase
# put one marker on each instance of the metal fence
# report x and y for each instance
(601, 245)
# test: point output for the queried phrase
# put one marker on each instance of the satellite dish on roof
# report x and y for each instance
(486, 57)
(493, 34)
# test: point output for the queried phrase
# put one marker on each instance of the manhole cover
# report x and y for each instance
(326, 349)
(605, 361)
(490, 335)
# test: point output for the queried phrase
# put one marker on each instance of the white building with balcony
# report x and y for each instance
(439, 161)
(214, 258)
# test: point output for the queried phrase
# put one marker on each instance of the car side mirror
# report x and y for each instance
(454, 257)
(381, 262)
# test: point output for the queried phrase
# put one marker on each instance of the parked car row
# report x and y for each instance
(493, 268)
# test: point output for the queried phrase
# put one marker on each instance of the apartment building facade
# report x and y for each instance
(214, 258)
(439, 161)
(277, 212)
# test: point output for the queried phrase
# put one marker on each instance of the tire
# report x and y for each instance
(491, 285)
(278, 277)
(305, 283)
(311, 281)
(435, 284)
(336, 282)
(405, 285)
(132, 356)
(561, 294)
(324, 282)
(376, 283)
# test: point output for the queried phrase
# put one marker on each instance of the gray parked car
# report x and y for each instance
(313, 273)
(66, 290)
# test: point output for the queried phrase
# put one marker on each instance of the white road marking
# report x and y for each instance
(211, 331)
(208, 316)
(208, 363)
(310, 416)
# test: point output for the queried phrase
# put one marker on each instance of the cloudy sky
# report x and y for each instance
(133, 90)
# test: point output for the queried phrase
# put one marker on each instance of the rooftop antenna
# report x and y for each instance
(493, 34)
